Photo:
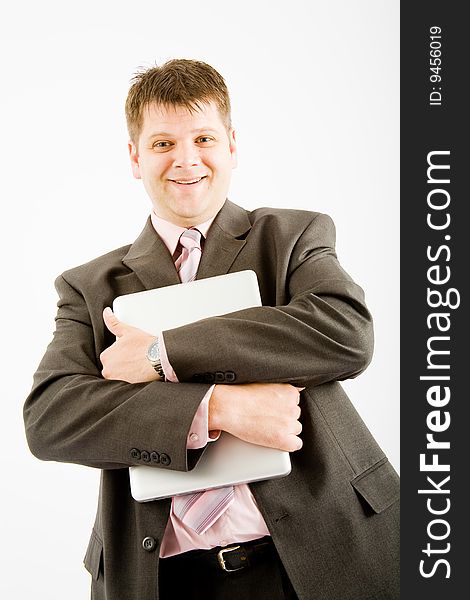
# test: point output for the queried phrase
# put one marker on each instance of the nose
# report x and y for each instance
(186, 155)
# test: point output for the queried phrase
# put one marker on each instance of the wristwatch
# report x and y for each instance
(153, 355)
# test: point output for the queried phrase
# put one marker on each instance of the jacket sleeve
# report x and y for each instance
(74, 415)
(322, 333)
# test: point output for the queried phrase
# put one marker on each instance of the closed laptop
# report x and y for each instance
(229, 460)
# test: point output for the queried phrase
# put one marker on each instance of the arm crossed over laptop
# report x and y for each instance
(261, 413)
(313, 328)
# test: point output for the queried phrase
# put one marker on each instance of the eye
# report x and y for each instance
(161, 145)
(205, 139)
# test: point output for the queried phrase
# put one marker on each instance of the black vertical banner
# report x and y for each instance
(435, 361)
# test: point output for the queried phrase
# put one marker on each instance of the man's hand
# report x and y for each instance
(261, 413)
(126, 359)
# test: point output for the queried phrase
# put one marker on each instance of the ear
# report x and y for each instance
(233, 147)
(134, 156)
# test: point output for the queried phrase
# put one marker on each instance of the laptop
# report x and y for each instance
(229, 460)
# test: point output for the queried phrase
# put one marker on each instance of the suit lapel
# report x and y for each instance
(151, 261)
(224, 240)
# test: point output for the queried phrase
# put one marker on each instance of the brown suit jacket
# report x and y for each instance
(334, 519)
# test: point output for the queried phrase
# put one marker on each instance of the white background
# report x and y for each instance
(314, 88)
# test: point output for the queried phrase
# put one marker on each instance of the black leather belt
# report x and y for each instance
(234, 557)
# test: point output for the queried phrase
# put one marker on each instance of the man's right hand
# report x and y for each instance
(266, 414)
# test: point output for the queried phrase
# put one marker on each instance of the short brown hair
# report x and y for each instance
(178, 82)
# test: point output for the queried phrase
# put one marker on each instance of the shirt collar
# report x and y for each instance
(171, 233)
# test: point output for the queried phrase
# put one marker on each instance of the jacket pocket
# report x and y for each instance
(379, 485)
(93, 555)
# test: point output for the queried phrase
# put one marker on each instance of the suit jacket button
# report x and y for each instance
(135, 454)
(145, 456)
(165, 460)
(149, 544)
(219, 377)
(209, 377)
(155, 457)
(198, 378)
(230, 376)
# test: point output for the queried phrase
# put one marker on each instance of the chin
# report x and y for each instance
(191, 208)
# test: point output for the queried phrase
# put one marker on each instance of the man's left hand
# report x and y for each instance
(126, 359)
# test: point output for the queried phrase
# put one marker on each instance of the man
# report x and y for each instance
(110, 396)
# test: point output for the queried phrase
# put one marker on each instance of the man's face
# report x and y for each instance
(185, 162)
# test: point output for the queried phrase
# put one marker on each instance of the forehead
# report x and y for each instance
(178, 119)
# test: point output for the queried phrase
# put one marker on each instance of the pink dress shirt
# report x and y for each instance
(242, 521)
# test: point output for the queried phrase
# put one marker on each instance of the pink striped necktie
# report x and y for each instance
(200, 510)
(188, 261)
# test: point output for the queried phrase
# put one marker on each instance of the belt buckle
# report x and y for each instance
(220, 558)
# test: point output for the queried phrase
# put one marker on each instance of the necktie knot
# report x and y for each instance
(191, 238)
(187, 263)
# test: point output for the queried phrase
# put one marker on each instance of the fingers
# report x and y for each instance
(296, 443)
(297, 428)
(292, 427)
(291, 443)
(112, 322)
(289, 427)
(296, 412)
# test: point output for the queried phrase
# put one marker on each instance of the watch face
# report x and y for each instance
(153, 351)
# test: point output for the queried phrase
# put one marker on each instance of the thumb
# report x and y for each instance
(112, 322)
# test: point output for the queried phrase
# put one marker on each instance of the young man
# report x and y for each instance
(265, 374)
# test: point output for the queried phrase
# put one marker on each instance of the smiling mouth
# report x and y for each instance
(188, 181)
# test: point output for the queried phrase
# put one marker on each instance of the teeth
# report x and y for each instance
(187, 182)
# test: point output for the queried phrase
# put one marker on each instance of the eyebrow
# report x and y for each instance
(168, 134)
